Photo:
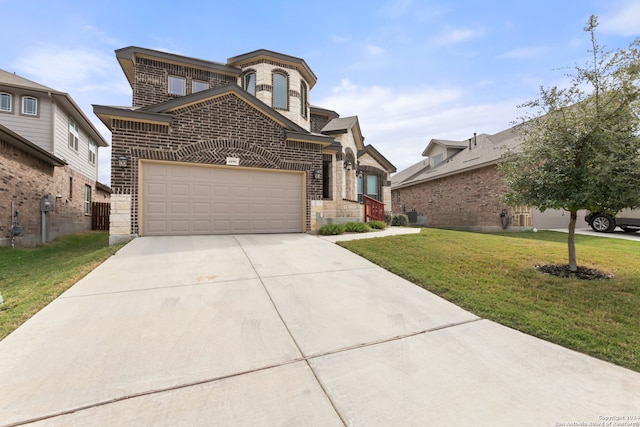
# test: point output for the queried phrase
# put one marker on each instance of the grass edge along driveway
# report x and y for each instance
(30, 278)
(494, 276)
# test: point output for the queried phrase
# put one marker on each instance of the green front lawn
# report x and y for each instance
(494, 276)
(31, 278)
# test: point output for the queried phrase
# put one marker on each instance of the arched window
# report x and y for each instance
(303, 99)
(5, 102)
(249, 83)
(279, 91)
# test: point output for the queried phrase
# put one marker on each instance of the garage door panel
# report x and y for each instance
(180, 199)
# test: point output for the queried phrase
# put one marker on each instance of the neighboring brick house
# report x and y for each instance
(212, 148)
(458, 186)
(48, 152)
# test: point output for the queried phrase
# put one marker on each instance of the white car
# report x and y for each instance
(627, 219)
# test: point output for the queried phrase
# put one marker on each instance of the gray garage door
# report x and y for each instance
(180, 199)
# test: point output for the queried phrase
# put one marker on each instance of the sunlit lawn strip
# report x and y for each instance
(494, 276)
(32, 278)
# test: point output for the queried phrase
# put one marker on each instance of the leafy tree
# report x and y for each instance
(580, 146)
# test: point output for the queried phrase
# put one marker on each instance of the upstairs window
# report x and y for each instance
(437, 159)
(279, 91)
(177, 86)
(29, 106)
(5, 102)
(74, 134)
(198, 86)
(303, 99)
(249, 83)
(93, 152)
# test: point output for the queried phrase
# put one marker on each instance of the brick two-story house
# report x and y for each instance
(235, 147)
(458, 186)
(48, 163)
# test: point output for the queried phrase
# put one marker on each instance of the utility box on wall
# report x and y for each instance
(46, 203)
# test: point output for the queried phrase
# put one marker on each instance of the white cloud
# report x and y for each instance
(89, 76)
(623, 20)
(70, 70)
(526, 52)
(374, 50)
(452, 36)
(400, 123)
(395, 8)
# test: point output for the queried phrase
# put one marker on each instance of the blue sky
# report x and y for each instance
(411, 70)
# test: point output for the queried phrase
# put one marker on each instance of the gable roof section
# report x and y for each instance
(443, 143)
(29, 147)
(14, 80)
(370, 150)
(264, 54)
(127, 58)
(319, 111)
(344, 125)
(163, 113)
(61, 98)
(487, 151)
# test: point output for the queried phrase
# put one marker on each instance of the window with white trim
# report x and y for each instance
(5, 102)
(279, 91)
(29, 106)
(87, 199)
(198, 86)
(93, 152)
(177, 86)
(249, 83)
(74, 134)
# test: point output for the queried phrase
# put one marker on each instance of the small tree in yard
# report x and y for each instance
(581, 148)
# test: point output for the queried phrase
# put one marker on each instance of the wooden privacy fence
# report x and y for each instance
(100, 216)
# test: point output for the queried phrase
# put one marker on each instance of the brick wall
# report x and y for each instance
(318, 122)
(208, 133)
(152, 79)
(24, 180)
(468, 200)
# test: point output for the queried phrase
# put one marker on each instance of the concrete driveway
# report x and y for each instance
(285, 330)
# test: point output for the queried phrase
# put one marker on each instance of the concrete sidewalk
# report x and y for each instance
(284, 330)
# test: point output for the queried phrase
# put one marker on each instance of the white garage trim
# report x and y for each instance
(178, 198)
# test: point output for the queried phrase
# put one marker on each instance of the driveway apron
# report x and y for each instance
(285, 330)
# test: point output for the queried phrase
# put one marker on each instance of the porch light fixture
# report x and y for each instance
(348, 165)
(316, 173)
(122, 161)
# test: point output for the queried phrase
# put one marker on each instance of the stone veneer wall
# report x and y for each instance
(468, 200)
(120, 218)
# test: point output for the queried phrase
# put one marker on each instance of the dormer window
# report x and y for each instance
(437, 159)
(177, 86)
(249, 83)
(279, 91)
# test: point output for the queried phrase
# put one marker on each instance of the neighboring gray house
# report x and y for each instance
(458, 186)
(49, 153)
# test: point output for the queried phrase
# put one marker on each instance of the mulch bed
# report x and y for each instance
(583, 273)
